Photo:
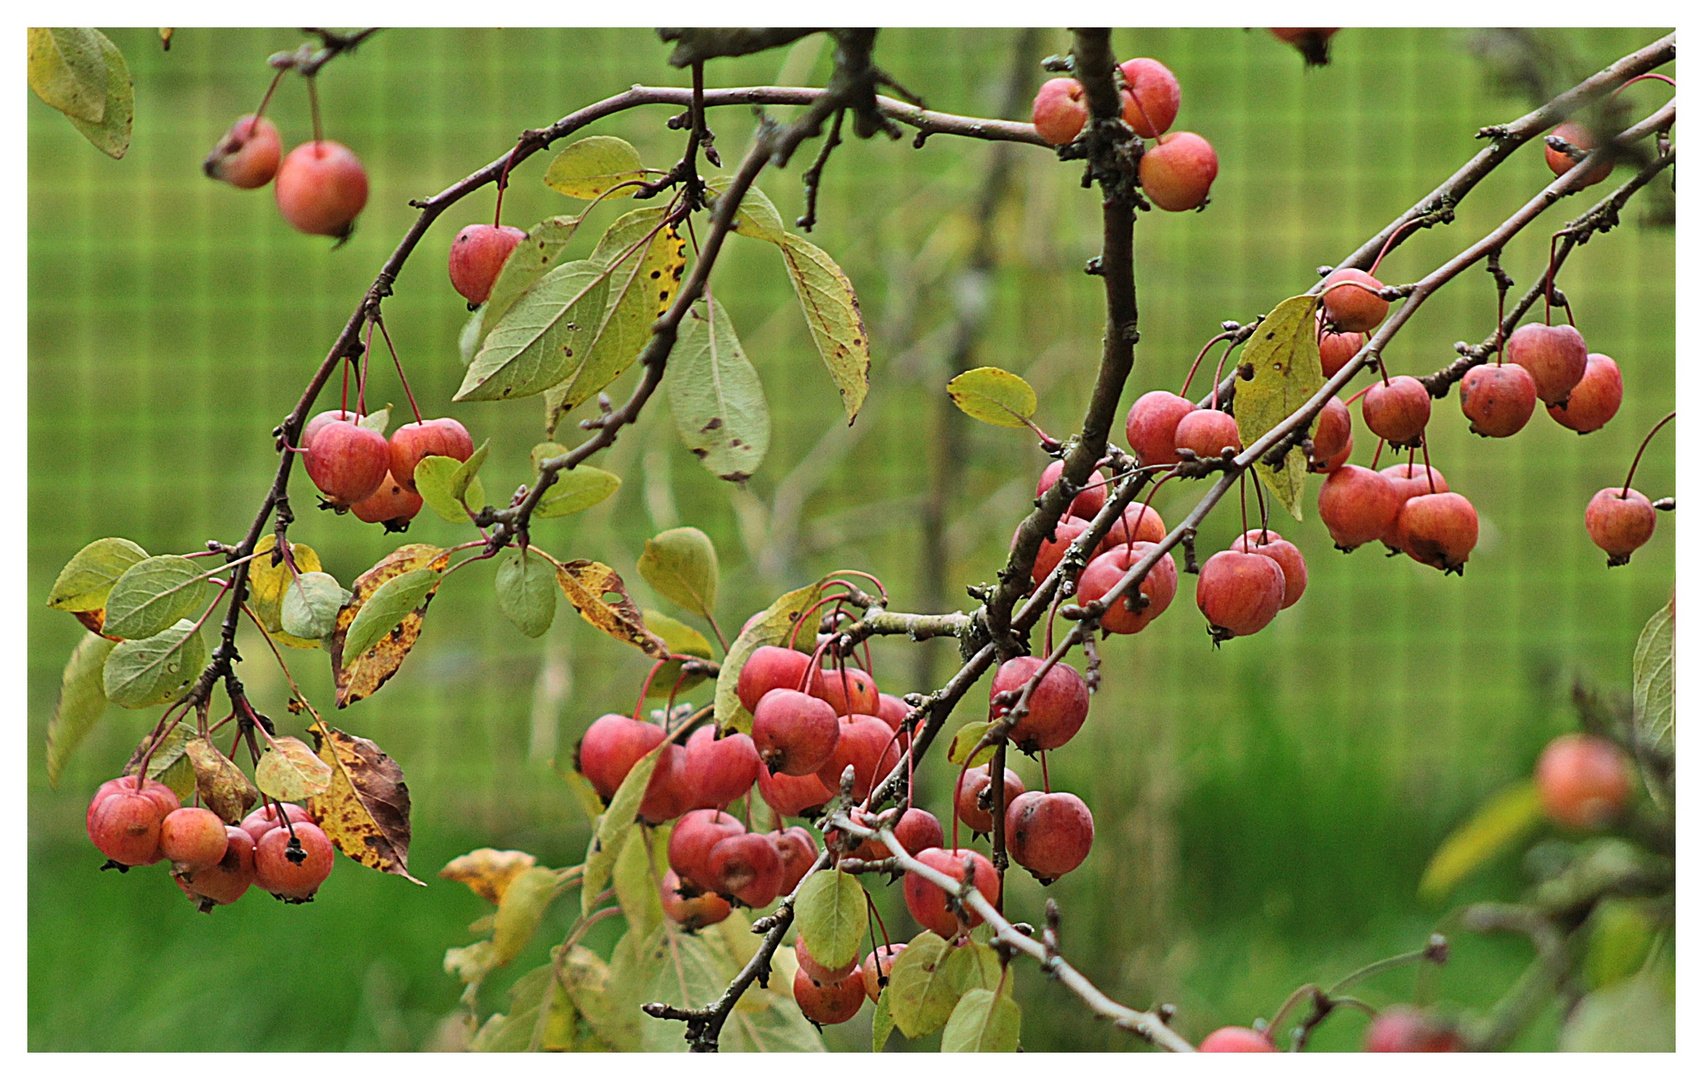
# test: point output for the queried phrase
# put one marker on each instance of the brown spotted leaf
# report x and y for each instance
(1284, 356)
(360, 675)
(587, 584)
(836, 322)
(488, 871)
(365, 812)
(716, 397)
(223, 787)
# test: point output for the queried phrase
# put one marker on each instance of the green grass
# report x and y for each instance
(1263, 810)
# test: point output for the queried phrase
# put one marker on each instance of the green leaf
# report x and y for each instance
(529, 261)
(716, 397)
(1638, 1015)
(681, 565)
(592, 166)
(376, 421)
(613, 827)
(681, 640)
(577, 489)
(544, 451)
(881, 1025)
(836, 322)
(82, 700)
(586, 796)
(67, 69)
(994, 396)
(526, 592)
(922, 995)
(757, 217)
(1621, 934)
(389, 604)
(644, 275)
(587, 978)
(542, 339)
(289, 770)
(154, 670)
(973, 965)
(832, 916)
(86, 581)
(1284, 353)
(435, 478)
(153, 594)
(522, 909)
(772, 627)
(688, 970)
(1652, 687)
(472, 333)
(635, 884)
(965, 739)
(1500, 823)
(311, 604)
(267, 582)
(168, 762)
(982, 1023)
(111, 133)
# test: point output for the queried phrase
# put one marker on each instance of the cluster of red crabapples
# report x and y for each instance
(357, 469)
(321, 186)
(137, 822)
(1177, 167)
(810, 725)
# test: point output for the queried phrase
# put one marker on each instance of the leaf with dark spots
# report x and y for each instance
(365, 811)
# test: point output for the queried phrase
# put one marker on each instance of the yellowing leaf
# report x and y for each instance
(587, 585)
(521, 909)
(614, 825)
(289, 771)
(772, 627)
(965, 740)
(921, 995)
(836, 321)
(67, 69)
(487, 871)
(267, 577)
(382, 641)
(757, 217)
(994, 396)
(223, 787)
(87, 580)
(82, 700)
(365, 810)
(681, 565)
(593, 166)
(110, 134)
(1498, 825)
(636, 884)
(1284, 354)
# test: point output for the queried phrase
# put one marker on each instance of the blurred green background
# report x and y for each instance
(1263, 810)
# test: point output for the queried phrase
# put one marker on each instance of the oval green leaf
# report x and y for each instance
(1503, 819)
(111, 133)
(82, 700)
(311, 604)
(592, 166)
(542, 339)
(983, 1022)
(526, 592)
(524, 903)
(389, 604)
(154, 670)
(67, 69)
(529, 261)
(921, 993)
(681, 565)
(575, 490)
(832, 915)
(87, 580)
(681, 640)
(291, 771)
(716, 397)
(1652, 683)
(153, 594)
(994, 396)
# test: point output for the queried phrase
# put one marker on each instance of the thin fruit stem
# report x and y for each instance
(1387, 244)
(264, 101)
(361, 371)
(313, 106)
(412, 404)
(502, 186)
(1641, 78)
(1624, 488)
(1242, 492)
(1375, 455)
(1265, 521)
(1218, 374)
(1046, 780)
(644, 691)
(721, 637)
(1358, 394)
(1430, 476)
(1204, 349)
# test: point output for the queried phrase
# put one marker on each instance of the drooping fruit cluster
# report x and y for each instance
(321, 187)
(139, 824)
(356, 468)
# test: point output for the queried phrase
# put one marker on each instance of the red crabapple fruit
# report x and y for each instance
(477, 256)
(1052, 550)
(311, 428)
(1048, 834)
(1060, 111)
(792, 796)
(1596, 398)
(974, 802)
(1555, 356)
(1177, 171)
(827, 1003)
(1411, 480)
(247, 155)
(719, 771)
(1351, 301)
(1150, 96)
(610, 748)
(878, 967)
(816, 971)
(1402, 1029)
(794, 733)
(1088, 501)
(1105, 571)
(847, 689)
(226, 880)
(1397, 411)
(694, 835)
(321, 188)
(691, 912)
(1239, 593)
(927, 901)
(1357, 505)
(1284, 554)
(347, 462)
(770, 667)
(1438, 530)
(193, 837)
(1151, 427)
(1333, 432)
(866, 744)
(1560, 163)
(669, 792)
(1139, 522)
(1057, 707)
(126, 828)
(1620, 521)
(1583, 781)
(264, 818)
(1236, 1040)
(748, 868)
(798, 853)
(1498, 399)
(1336, 350)
(442, 437)
(392, 504)
(282, 876)
(163, 796)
